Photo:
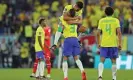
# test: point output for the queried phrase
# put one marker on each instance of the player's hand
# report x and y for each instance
(80, 43)
(119, 47)
(54, 47)
(43, 51)
(98, 46)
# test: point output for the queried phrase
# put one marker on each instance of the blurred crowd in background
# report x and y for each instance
(19, 20)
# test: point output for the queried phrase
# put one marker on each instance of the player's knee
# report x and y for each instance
(102, 59)
(39, 60)
(76, 58)
(65, 58)
(113, 61)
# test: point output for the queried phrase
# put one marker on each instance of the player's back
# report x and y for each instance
(39, 32)
(108, 26)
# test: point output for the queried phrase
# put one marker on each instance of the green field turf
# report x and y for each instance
(74, 74)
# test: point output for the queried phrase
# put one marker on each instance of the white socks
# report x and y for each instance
(79, 64)
(42, 63)
(65, 68)
(114, 70)
(40, 69)
(100, 69)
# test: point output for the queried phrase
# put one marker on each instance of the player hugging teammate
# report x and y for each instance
(71, 46)
(78, 16)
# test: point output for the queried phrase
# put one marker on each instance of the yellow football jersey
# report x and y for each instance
(39, 32)
(69, 30)
(108, 26)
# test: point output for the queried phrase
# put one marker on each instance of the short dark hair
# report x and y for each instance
(109, 11)
(72, 12)
(41, 19)
(79, 4)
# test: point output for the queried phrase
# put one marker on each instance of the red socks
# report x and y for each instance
(35, 66)
(48, 63)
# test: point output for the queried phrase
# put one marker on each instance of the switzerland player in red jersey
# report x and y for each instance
(47, 31)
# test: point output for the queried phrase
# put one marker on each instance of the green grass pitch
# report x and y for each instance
(57, 74)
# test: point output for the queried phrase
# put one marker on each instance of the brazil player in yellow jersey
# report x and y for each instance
(78, 8)
(110, 41)
(39, 46)
(71, 46)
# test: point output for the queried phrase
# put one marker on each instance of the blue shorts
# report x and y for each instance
(109, 52)
(71, 46)
(40, 55)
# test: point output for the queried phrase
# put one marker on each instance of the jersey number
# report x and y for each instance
(72, 28)
(108, 28)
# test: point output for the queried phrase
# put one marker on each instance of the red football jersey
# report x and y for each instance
(47, 31)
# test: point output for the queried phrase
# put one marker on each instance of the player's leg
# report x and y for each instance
(103, 55)
(65, 67)
(114, 69)
(37, 74)
(80, 66)
(76, 52)
(114, 55)
(34, 68)
(79, 63)
(41, 64)
(40, 71)
(48, 63)
(101, 67)
(67, 51)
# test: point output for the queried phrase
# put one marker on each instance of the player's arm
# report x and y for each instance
(98, 37)
(119, 37)
(67, 18)
(39, 40)
(65, 15)
(74, 21)
(58, 33)
(98, 33)
(118, 30)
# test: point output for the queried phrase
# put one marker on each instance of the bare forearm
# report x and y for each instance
(98, 38)
(40, 43)
(74, 22)
(68, 18)
(120, 38)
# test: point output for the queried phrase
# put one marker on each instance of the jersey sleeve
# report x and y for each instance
(39, 32)
(117, 23)
(80, 13)
(99, 25)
